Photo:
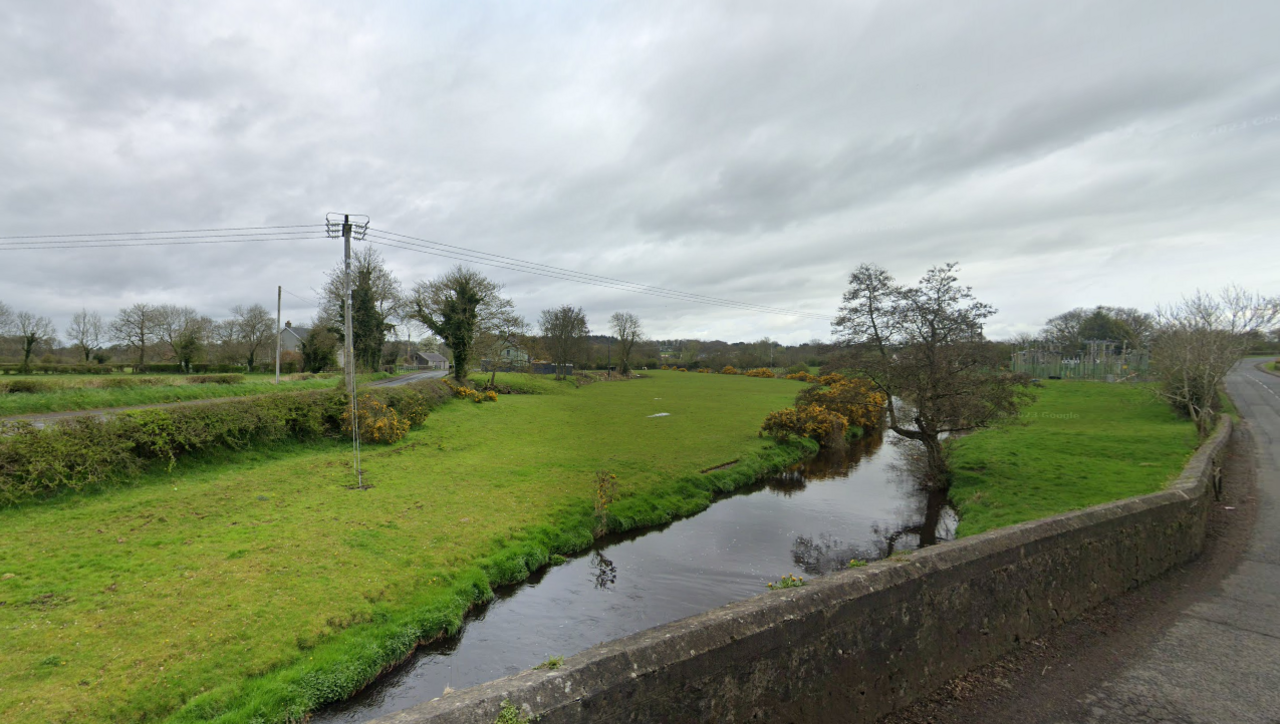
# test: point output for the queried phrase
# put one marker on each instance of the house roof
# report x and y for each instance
(432, 357)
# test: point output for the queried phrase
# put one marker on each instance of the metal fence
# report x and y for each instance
(1101, 360)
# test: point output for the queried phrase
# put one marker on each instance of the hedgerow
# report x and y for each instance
(85, 452)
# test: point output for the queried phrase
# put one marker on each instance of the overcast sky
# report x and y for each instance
(1066, 154)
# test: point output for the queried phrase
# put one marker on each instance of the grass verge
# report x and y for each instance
(255, 587)
(70, 397)
(1080, 444)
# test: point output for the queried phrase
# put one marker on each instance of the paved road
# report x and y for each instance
(1220, 661)
(406, 379)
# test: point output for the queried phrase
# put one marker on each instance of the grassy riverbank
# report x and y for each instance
(260, 585)
(86, 392)
(1080, 444)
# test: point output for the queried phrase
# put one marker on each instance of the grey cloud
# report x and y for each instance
(753, 151)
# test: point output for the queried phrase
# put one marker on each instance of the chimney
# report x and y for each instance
(288, 324)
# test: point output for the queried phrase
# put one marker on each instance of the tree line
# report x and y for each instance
(924, 348)
(148, 333)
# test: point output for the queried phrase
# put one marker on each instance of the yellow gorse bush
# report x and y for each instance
(759, 372)
(811, 421)
(856, 400)
(824, 412)
(728, 370)
(379, 424)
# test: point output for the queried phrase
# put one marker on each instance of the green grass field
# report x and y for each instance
(259, 584)
(1080, 444)
(78, 392)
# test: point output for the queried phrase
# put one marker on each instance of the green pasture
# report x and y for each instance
(255, 586)
(1081, 443)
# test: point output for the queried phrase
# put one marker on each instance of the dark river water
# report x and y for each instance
(858, 503)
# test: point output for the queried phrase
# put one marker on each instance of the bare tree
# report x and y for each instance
(86, 332)
(1198, 341)
(564, 329)
(6, 319)
(134, 327)
(32, 331)
(458, 306)
(923, 347)
(626, 327)
(254, 327)
(225, 341)
(185, 332)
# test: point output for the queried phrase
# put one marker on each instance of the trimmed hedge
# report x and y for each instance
(232, 379)
(84, 452)
(60, 369)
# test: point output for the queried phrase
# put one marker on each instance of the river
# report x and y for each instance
(809, 520)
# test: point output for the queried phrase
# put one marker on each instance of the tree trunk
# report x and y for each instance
(937, 471)
(28, 343)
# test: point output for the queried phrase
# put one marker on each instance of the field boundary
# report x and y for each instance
(855, 645)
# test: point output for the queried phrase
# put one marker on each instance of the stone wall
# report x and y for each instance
(855, 645)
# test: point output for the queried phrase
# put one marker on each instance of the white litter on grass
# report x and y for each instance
(661, 414)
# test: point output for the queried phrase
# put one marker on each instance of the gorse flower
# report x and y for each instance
(378, 423)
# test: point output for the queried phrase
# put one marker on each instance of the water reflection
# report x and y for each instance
(812, 519)
(606, 572)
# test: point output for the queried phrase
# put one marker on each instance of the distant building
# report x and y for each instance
(513, 356)
(430, 360)
(291, 337)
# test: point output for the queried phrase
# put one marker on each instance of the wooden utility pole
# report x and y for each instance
(347, 228)
(279, 292)
(349, 361)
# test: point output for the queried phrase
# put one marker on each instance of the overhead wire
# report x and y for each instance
(166, 231)
(307, 232)
(301, 298)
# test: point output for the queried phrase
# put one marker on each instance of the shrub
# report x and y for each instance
(825, 427)
(491, 396)
(411, 405)
(728, 370)
(803, 377)
(81, 452)
(27, 386)
(760, 372)
(856, 400)
(831, 379)
(215, 379)
(70, 456)
(113, 383)
(378, 423)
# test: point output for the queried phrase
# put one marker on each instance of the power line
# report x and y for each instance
(308, 301)
(156, 241)
(310, 232)
(449, 251)
(168, 231)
